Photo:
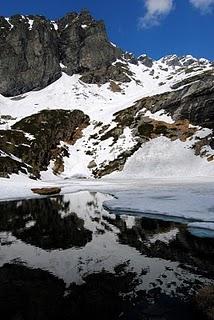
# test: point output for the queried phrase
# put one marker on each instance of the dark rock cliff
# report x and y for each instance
(29, 57)
(84, 44)
(33, 50)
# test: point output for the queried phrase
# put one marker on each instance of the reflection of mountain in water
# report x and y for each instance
(36, 294)
(167, 240)
(27, 294)
(102, 256)
(39, 223)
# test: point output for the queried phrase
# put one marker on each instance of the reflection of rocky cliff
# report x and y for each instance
(27, 294)
(64, 222)
(187, 249)
(39, 223)
(141, 230)
(153, 238)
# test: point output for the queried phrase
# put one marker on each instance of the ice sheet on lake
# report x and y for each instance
(190, 203)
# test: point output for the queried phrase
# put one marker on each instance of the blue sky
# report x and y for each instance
(155, 27)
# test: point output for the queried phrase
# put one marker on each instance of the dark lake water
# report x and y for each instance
(67, 258)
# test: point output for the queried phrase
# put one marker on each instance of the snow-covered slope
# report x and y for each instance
(163, 158)
(100, 102)
(158, 157)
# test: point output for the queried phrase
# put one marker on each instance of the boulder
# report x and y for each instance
(46, 191)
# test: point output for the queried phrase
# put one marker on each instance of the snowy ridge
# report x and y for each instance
(99, 102)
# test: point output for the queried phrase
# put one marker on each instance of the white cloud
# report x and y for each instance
(155, 11)
(204, 5)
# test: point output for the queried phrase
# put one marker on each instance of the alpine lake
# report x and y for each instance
(66, 257)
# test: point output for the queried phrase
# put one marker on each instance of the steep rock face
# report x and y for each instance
(29, 56)
(33, 50)
(83, 44)
(12, 145)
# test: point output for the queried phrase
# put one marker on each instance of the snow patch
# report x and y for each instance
(11, 25)
(30, 22)
(113, 44)
(165, 237)
(55, 25)
(163, 158)
(159, 116)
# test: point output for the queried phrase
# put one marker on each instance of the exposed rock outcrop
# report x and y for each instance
(34, 141)
(194, 102)
(147, 61)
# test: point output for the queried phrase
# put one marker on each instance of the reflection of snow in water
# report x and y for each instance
(103, 252)
(165, 237)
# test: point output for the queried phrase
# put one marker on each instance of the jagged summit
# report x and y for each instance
(184, 61)
(34, 50)
(176, 61)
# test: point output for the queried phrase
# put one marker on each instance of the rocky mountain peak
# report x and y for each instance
(84, 44)
(34, 50)
(146, 60)
(84, 17)
(184, 61)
